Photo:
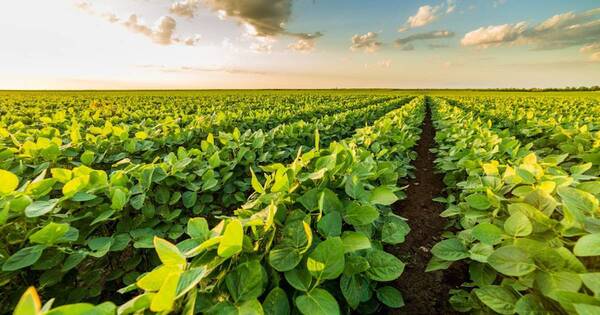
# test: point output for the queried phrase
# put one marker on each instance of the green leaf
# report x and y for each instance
(231, 243)
(511, 261)
(164, 300)
(198, 228)
(87, 157)
(592, 281)
(330, 224)
(588, 245)
(299, 278)
(276, 303)
(518, 225)
(487, 233)
(256, 185)
(530, 304)
(587, 309)
(478, 201)
(358, 214)
(577, 200)
(153, 280)
(39, 208)
(499, 299)
(245, 282)
(547, 282)
(355, 289)
(394, 230)
(29, 304)
(354, 241)
(8, 182)
(390, 296)
(383, 195)
(189, 279)
(118, 199)
(168, 253)
(189, 199)
(75, 185)
(50, 233)
(317, 302)
(284, 258)
(326, 261)
(25, 257)
(383, 266)
(450, 249)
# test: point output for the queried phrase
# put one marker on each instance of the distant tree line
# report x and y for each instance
(565, 89)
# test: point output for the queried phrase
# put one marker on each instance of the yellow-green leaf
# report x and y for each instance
(8, 182)
(29, 304)
(168, 253)
(231, 243)
(165, 298)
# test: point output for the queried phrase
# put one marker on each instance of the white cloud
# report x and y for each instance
(559, 31)
(303, 45)
(367, 42)
(494, 35)
(425, 15)
(185, 8)
(405, 43)
(263, 48)
(593, 50)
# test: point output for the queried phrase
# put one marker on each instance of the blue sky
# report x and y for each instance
(275, 44)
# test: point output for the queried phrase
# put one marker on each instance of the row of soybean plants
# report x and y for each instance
(527, 223)
(76, 141)
(309, 239)
(554, 125)
(114, 216)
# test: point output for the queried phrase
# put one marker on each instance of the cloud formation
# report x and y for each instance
(162, 32)
(185, 8)
(593, 50)
(303, 45)
(405, 43)
(367, 42)
(559, 31)
(427, 14)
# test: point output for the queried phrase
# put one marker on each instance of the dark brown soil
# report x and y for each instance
(424, 292)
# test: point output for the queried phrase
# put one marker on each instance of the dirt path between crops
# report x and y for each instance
(424, 292)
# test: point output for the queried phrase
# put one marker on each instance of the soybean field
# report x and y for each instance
(313, 202)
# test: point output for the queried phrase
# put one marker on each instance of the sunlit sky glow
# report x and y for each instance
(196, 44)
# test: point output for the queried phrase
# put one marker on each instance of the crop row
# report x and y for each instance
(314, 227)
(527, 223)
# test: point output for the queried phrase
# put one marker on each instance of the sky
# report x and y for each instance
(208, 44)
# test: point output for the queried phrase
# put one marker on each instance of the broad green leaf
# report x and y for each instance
(326, 261)
(360, 214)
(592, 281)
(354, 241)
(189, 279)
(518, 225)
(39, 208)
(498, 298)
(29, 304)
(478, 201)
(198, 228)
(587, 309)
(231, 243)
(317, 302)
(50, 233)
(276, 303)
(299, 278)
(487, 233)
(511, 261)
(530, 304)
(390, 296)
(245, 282)
(330, 224)
(355, 289)
(8, 182)
(394, 230)
(588, 245)
(168, 253)
(25, 257)
(164, 300)
(450, 249)
(383, 266)
(383, 195)
(557, 281)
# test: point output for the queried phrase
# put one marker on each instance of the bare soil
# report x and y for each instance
(424, 292)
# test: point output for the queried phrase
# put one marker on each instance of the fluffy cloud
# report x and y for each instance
(386, 63)
(367, 42)
(162, 32)
(593, 50)
(559, 31)
(184, 8)
(493, 35)
(427, 14)
(405, 43)
(303, 45)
